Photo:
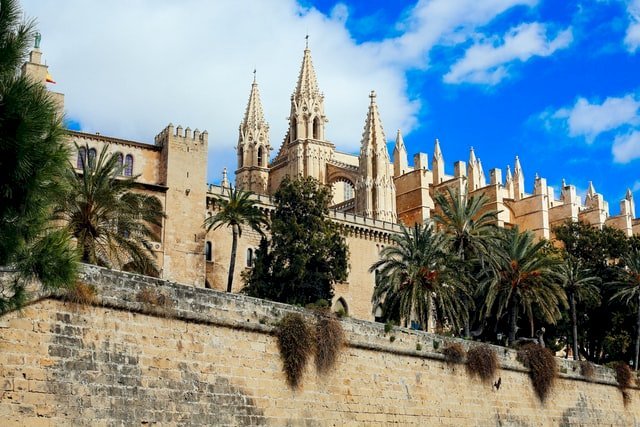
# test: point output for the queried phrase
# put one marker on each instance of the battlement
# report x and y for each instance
(179, 133)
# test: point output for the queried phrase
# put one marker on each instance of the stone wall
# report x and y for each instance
(209, 358)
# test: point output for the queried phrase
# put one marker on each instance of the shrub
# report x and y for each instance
(543, 368)
(392, 338)
(388, 326)
(624, 376)
(81, 293)
(436, 344)
(329, 341)
(295, 342)
(418, 346)
(153, 299)
(482, 361)
(586, 369)
(454, 353)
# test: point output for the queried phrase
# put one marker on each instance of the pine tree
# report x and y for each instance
(33, 159)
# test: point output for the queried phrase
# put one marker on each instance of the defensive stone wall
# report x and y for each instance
(201, 357)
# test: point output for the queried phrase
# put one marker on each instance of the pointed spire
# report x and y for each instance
(591, 191)
(400, 161)
(437, 164)
(225, 179)
(472, 158)
(307, 81)
(629, 195)
(437, 153)
(399, 141)
(509, 176)
(564, 183)
(481, 176)
(253, 116)
(373, 137)
(517, 169)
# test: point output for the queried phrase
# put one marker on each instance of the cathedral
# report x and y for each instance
(372, 193)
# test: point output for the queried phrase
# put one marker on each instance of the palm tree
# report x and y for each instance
(235, 211)
(580, 285)
(413, 274)
(33, 157)
(113, 225)
(471, 230)
(629, 292)
(522, 276)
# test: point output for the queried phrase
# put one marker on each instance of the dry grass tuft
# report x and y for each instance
(154, 300)
(624, 376)
(81, 293)
(543, 368)
(482, 361)
(329, 341)
(295, 342)
(586, 369)
(454, 353)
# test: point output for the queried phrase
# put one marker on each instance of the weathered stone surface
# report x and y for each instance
(211, 360)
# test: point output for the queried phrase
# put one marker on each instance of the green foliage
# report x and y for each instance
(32, 161)
(454, 353)
(236, 210)
(523, 277)
(296, 344)
(113, 225)
(388, 326)
(418, 346)
(329, 341)
(414, 278)
(306, 254)
(543, 368)
(482, 361)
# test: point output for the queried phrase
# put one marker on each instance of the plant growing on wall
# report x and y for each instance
(296, 344)
(623, 377)
(33, 159)
(329, 341)
(236, 210)
(482, 361)
(306, 254)
(543, 368)
(454, 353)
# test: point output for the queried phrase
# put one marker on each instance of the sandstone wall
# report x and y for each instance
(209, 358)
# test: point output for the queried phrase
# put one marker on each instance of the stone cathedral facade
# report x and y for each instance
(373, 194)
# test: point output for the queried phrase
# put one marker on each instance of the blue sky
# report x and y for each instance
(555, 82)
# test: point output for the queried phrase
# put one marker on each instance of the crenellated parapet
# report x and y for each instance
(181, 134)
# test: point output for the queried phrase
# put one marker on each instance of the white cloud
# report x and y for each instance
(636, 186)
(591, 119)
(632, 36)
(626, 147)
(488, 60)
(129, 68)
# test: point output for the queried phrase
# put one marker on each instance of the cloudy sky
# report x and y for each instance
(555, 82)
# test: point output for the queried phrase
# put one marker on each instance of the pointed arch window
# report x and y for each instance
(249, 257)
(208, 251)
(120, 161)
(260, 156)
(240, 157)
(92, 157)
(316, 128)
(82, 156)
(294, 129)
(128, 165)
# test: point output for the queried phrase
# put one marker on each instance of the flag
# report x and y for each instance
(49, 79)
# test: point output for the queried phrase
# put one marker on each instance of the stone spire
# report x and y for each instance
(437, 164)
(482, 179)
(632, 206)
(518, 180)
(509, 182)
(375, 190)
(400, 162)
(472, 172)
(591, 191)
(307, 119)
(253, 146)
(225, 179)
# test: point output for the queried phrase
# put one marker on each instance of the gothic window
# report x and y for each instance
(377, 314)
(249, 257)
(316, 128)
(348, 191)
(294, 129)
(92, 157)
(128, 165)
(240, 159)
(82, 156)
(208, 251)
(120, 162)
(260, 156)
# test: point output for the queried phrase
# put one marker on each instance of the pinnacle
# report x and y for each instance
(307, 81)
(592, 190)
(373, 135)
(399, 141)
(436, 149)
(629, 195)
(516, 167)
(472, 158)
(253, 115)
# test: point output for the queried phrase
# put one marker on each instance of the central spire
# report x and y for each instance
(307, 81)
(253, 115)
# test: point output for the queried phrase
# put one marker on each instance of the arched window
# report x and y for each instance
(128, 165)
(208, 251)
(249, 257)
(294, 129)
(316, 128)
(92, 157)
(340, 307)
(260, 156)
(120, 158)
(240, 157)
(377, 314)
(82, 156)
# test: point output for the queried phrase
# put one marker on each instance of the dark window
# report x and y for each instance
(128, 165)
(92, 157)
(316, 128)
(240, 157)
(120, 158)
(249, 257)
(260, 156)
(82, 156)
(208, 251)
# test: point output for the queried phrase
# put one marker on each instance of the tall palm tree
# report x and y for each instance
(629, 292)
(471, 230)
(113, 225)
(580, 285)
(522, 276)
(413, 274)
(237, 210)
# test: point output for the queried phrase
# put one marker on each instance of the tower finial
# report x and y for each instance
(254, 74)
(306, 41)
